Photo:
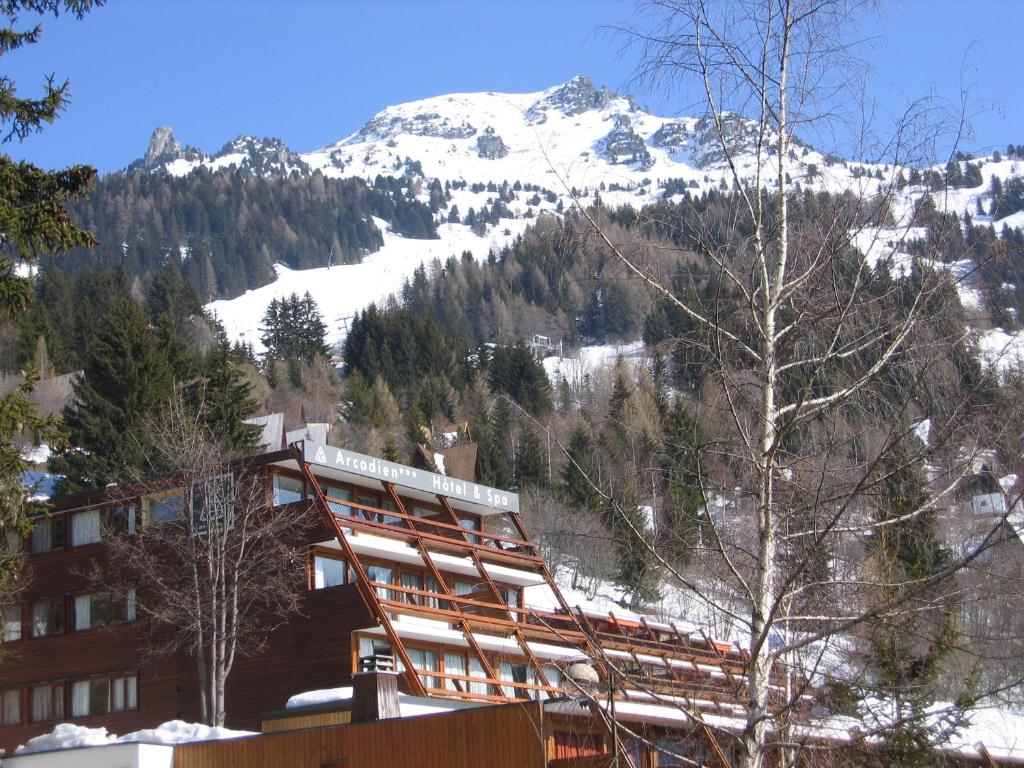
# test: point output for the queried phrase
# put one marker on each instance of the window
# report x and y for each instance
(476, 669)
(119, 520)
(425, 661)
(455, 664)
(10, 707)
(101, 610)
(102, 695)
(511, 597)
(47, 702)
(48, 617)
(470, 524)
(674, 752)
(514, 672)
(288, 489)
(389, 506)
(383, 575)
(412, 581)
(164, 507)
(85, 528)
(123, 693)
(369, 646)
(342, 494)
(328, 572)
(90, 697)
(48, 534)
(12, 623)
(92, 525)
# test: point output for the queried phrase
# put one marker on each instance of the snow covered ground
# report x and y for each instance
(68, 735)
(592, 358)
(344, 290)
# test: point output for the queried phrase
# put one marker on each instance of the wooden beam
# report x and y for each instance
(369, 594)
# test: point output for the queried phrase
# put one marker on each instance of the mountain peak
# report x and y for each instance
(572, 98)
(164, 147)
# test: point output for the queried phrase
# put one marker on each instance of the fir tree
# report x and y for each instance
(907, 650)
(578, 474)
(222, 398)
(531, 466)
(126, 379)
(679, 462)
(34, 221)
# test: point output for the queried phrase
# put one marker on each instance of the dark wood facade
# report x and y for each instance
(504, 736)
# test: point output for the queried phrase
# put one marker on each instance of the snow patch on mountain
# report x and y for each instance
(344, 290)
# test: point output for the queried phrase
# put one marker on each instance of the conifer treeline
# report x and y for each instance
(227, 229)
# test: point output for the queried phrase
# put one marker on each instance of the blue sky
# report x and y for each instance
(312, 71)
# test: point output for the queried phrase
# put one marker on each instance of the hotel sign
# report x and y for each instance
(410, 477)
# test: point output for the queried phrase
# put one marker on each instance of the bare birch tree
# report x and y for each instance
(822, 342)
(215, 566)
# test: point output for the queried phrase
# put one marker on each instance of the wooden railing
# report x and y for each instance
(445, 535)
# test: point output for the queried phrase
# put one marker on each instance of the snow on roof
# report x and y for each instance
(408, 706)
(322, 696)
(69, 735)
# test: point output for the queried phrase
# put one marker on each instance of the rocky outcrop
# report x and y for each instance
(623, 145)
(574, 98)
(164, 148)
(671, 136)
(490, 146)
(423, 124)
(260, 157)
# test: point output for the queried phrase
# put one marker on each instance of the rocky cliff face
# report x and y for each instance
(490, 146)
(624, 146)
(165, 148)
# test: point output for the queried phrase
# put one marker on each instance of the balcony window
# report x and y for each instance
(471, 524)
(10, 707)
(383, 575)
(425, 661)
(288, 489)
(412, 581)
(47, 534)
(47, 703)
(328, 572)
(455, 664)
(339, 494)
(513, 672)
(48, 617)
(12, 623)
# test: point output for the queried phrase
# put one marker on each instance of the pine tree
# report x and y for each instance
(578, 474)
(34, 221)
(531, 466)
(679, 460)
(126, 379)
(907, 650)
(222, 398)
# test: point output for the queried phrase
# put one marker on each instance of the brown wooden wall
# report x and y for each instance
(312, 651)
(504, 736)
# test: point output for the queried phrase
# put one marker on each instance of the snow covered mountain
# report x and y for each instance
(526, 152)
(571, 135)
